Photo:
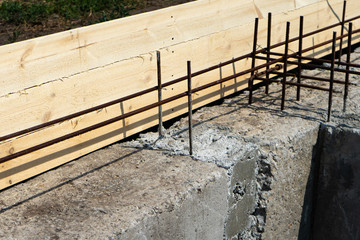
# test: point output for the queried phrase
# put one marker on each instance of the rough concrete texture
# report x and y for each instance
(337, 215)
(127, 188)
(251, 177)
(256, 146)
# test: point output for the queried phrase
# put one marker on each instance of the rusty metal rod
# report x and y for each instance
(249, 70)
(342, 29)
(348, 59)
(324, 79)
(189, 93)
(253, 60)
(327, 68)
(268, 71)
(105, 105)
(158, 57)
(316, 31)
(310, 34)
(268, 48)
(323, 43)
(235, 80)
(90, 128)
(310, 48)
(301, 33)
(320, 60)
(331, 87)
(315, 66)
(312, 78)
(298, 84)
(112, 120)
(62, 119)
(285, 66)
(131, 96)
(205, 86)
(264, 50)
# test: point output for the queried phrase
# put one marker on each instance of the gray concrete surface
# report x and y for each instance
(251, 177)
(128, 189)
(255, 144)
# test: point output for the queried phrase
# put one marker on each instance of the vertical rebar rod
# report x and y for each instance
(159, 92)
(221, 85)
(285, 65)
(332, 75)
(301, 33)
(190, 107)
(342, 29)
(348, 59)
(253, 61)
(234, 71)
(268, 48)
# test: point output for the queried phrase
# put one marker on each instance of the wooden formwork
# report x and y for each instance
(53, 76)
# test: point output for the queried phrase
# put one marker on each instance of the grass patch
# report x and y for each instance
(24, 19)
(35, 11)
(18, 16)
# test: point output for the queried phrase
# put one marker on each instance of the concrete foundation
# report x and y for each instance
(252, 176)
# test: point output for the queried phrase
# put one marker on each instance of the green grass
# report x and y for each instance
(21, 12)
(36, 11)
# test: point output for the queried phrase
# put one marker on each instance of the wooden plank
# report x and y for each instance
(51, 58)
(61, 55)
(58, 57)
(99, 85)
(91, 88)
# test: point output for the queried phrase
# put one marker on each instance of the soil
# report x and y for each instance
(10, 33)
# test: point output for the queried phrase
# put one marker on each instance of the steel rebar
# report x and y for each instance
(332, 75)
(342, 29)
(268, 44)
(310, 65)
(158, 57)
(348, 59)
(189, 93)
(320, 60)
(301, 33)
(299, 84)
(285, 65)
(253, 60)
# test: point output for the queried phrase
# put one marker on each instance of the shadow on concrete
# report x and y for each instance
(7, 208)
(330, 209)
(310, 198)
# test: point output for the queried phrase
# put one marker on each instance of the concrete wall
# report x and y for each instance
(267, 158)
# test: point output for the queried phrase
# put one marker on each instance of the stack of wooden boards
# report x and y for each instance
(53, 76)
